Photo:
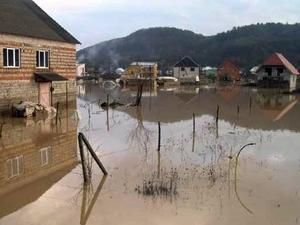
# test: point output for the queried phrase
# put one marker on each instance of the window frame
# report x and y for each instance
(38, 61)
(20, 170)
(14, 57)
(47, 151)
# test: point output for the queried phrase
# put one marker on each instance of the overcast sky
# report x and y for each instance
(93, 21)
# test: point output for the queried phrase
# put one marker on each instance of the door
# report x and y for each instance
(44, 95)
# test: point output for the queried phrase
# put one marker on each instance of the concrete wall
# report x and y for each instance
(18, 84)
(288, 80)
(187, 75)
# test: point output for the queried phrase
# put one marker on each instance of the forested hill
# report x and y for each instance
(247, 45)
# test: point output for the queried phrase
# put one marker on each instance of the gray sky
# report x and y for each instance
(93, 21)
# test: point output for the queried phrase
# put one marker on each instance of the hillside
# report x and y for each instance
(247, 45)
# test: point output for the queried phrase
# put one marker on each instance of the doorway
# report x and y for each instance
(44, 95)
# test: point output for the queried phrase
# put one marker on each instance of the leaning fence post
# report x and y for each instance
(89, 147)
(85, 177)
(159, 136)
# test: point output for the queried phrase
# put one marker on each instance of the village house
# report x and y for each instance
(228, 71)
(187, 70)
(37, 56)
(142, 70)
(80, 70)
(277, 72)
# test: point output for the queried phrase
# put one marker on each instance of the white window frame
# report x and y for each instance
(45, 150)
(14, 58)
(19, 169)
(39, 59)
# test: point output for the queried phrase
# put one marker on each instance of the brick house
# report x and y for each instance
(228, 71)
(37, 56)
(277, 72)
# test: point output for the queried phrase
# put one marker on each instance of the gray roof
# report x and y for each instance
(25, 18)
(186, 62)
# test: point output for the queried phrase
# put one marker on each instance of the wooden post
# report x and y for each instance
(194, 132)
(67, 97)
(85, 177)
(250, 104)
(107, 113)
(159, 136)
(1, 128)
(57, 108)
(158, 164)
(217, 121)
(89, 147)
(238, 111)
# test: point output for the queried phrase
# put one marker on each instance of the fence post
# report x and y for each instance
(85, 177)
(57, 108)
(194, 132)
(159, 136)
(89, 147)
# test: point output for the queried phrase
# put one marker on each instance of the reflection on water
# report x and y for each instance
(194, 177)
(30, 151)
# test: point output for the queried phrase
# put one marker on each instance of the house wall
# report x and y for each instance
(287, 80)
(26, 140)
(143, 71)
(17, 84)
(187, 75)
(80, 70)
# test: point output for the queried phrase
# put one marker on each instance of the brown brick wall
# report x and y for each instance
(62, 57)
(17, 84)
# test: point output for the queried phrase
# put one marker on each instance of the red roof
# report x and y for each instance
(278, 59)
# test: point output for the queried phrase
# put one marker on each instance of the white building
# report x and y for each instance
(80, 70)
(187, 70)
(277, 72)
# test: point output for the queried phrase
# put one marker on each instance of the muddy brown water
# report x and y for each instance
(194, 179)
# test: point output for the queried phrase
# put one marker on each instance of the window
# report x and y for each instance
(42, 59)
(279, 71)
(192, 69)
(268, 71)
(45, 155)
(11, 57)
(182, 68)
(15, 166)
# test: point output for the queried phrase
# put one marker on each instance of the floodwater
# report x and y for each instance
(199, 176)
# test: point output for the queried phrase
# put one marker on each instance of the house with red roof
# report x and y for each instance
(277, 72)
